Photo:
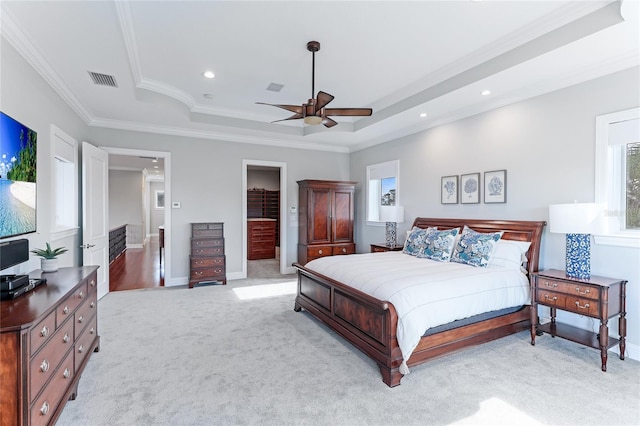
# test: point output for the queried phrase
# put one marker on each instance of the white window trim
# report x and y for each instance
(70, 150)
(605, 160)
(390, 165)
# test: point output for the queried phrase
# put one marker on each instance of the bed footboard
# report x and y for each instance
(368, 323)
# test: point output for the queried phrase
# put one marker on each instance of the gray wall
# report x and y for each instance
(547, 146)
(263, 179)
(125, 198)
(156, 216)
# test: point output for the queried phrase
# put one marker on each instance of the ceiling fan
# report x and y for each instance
(315, 111)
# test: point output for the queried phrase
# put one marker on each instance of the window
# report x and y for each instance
(382, 188)
(64, 184)
(618, 176)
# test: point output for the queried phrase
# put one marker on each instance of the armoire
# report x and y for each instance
(325, 219)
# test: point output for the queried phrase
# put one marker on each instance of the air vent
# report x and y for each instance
(275, 87)
(103, 79)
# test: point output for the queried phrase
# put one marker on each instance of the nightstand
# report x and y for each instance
(376, 248)
(597, 297)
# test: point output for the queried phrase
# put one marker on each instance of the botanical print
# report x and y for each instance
(449, 190)
(470, 185)
(495, 186)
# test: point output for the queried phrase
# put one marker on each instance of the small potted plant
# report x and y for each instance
(49, 261)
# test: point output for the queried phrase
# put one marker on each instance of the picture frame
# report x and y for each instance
(470, 188)
(495, 186)
(159, 199)
(449, 190)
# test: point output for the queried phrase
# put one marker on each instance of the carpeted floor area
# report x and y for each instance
(239, 355)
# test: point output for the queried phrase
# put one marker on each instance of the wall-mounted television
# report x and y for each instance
(18, 145)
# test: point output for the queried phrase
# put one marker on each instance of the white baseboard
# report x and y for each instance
(135, 246)
(236, 276)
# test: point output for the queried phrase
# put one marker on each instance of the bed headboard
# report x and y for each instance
(519, 230)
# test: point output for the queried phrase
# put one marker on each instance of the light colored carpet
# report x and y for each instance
(239, 354)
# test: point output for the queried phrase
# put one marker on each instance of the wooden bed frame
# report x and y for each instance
(370, 324)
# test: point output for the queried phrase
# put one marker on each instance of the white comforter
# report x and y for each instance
(424, 292)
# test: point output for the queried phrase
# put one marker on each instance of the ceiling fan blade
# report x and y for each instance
(293, 108)
(323, 99)
(293, 117)
(348, 111)
(328, 122)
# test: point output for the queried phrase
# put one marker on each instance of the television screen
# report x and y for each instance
(17, 178)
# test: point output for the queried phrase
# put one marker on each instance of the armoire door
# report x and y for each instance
(342, 216)
(319, 227)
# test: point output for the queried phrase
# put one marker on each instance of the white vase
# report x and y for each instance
(49, 265)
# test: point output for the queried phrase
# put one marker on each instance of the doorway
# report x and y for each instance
(265, 180)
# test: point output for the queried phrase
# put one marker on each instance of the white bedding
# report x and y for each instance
(426, 293)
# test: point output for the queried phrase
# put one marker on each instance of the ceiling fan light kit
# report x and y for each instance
(314, 112)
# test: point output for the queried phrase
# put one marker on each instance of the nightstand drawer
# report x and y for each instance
(549, 298)
(576, 289)
(588, 307)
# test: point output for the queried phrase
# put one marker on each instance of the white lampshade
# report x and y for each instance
(392, 214)
(575, 218)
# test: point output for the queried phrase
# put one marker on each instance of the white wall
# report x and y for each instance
(263, 179)
(547, 145)
(156, 216)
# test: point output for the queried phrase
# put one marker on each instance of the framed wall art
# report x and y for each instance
(470, 188)
(495, 186)
(449, 190)
(159, 198)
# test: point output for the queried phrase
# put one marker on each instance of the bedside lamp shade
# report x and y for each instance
(578, 221)
(392, 215)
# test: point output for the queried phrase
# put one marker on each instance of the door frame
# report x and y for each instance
(283, 216)
(168, 281)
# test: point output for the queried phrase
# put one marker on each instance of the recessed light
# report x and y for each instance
(485, 92)
(155, 160)
(156, 167)
(207, 96)
(208, 74)
(423, 115)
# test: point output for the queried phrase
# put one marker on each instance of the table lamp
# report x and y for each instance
(577, 221)
(392, 215)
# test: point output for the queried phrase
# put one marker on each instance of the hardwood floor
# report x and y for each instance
(137, 268)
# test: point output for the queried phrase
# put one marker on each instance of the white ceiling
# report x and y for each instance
(399, 58)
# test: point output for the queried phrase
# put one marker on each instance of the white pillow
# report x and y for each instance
(510, 254)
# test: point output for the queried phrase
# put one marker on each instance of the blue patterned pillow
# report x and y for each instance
(439, 245)
(415, 241)
(475, 248)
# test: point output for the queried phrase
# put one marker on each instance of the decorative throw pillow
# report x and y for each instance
(439, 245)
(475, 248)
(415, 241)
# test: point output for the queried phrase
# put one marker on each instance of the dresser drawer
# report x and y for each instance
(207, 262)
(206, 242)
(43, 407)
(41, 332)
(576, 289)
(84, 313)
(206, 273)
(344, 249)
(203, 233)
(318, 251)
(550, 298)
(66, 308)
(44, 364)
(84, 343)
(208, 251)
(206, 226)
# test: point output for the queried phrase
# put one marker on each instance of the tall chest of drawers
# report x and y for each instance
(207, 262)
(46, 338)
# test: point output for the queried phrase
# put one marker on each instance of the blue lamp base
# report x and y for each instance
(578, 256)
(391, 228)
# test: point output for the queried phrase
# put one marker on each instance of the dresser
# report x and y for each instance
(207, 262)
(261, 239)
(46, 339)
(325, 219)
(596, 297)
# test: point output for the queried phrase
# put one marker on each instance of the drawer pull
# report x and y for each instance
(81, 349)
(81, 295)
(66, 373)
(582, 292)
(44, 366)
(344, 250)
(44, 409)
(45, 331)
(65, 310)
(92, 330)
(66, 338)
(80, 319)
(586, 305)
(548, 284)
(552, 299)
(92, 283)
(198, 272)
(319, 251)
(92, 305)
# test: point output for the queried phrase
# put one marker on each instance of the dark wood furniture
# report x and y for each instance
(596, 297)
(264, 203)
(261, 239)
(381, 247)
(370, 324)
(117, 242)
(207, 262)
(161, 240)
(46, 338)
(325, 219)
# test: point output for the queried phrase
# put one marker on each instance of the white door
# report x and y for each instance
(95, 212)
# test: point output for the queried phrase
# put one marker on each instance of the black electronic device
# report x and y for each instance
(13, 252)
(30, 285)
(13, 282)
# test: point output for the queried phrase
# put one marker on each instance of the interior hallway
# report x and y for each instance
(137, 268)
